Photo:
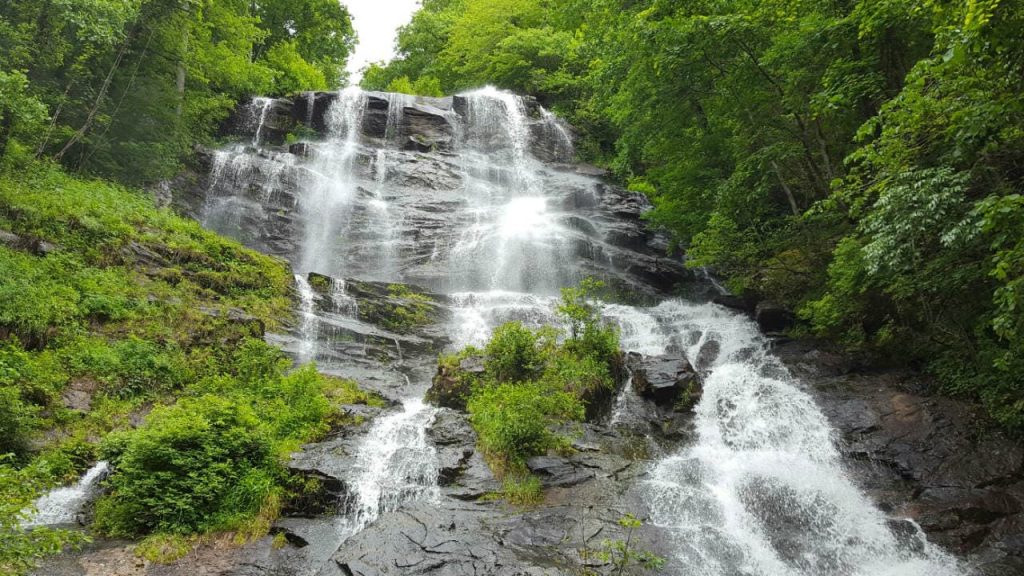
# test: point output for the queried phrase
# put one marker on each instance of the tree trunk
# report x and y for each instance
(87, 125)
(786, 188)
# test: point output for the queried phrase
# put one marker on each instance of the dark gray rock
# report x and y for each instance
(773, 318)
(665, 379)
(429, 127)
(922, 457)
(559, 471)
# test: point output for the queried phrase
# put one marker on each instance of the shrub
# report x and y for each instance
(513, 353)
(179, 473)
(513, 420)
(17, 421)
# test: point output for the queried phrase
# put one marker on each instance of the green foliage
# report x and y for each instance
(513, 420)
(131, 86)
(531, 386)
(513, 353)
(623, 555)
(403, 310)
(522, 491)
(21, 549)
(195, 466)
(208, 462)
(855, 161)
(131, 307)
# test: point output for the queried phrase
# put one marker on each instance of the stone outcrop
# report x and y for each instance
(667, 380)
(927, 458)
(256, 194)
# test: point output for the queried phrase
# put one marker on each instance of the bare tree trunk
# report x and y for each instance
(786, 188)
(81, 132)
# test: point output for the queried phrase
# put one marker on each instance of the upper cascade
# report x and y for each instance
(476, 191)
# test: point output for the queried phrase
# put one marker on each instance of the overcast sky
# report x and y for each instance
(376, 22)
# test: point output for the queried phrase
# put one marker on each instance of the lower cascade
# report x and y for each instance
(474, 200)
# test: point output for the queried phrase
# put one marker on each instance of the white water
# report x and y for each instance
(62, 505)
(395, 464)
(308, 323)
(259, 108)
(515, 240)
(327, 200)
(763, 491)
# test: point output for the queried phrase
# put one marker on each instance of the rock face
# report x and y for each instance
(412, 178)
(925, 458)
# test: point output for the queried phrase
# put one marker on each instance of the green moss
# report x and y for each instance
(402, 311)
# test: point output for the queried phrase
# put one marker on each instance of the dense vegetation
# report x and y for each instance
(532, 384)
(126, 88)
(131, 334)
(858, 161)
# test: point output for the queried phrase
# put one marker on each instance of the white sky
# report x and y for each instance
(376, 22)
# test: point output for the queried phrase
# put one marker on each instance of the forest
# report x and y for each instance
(859, 163)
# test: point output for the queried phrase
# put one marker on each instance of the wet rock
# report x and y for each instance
(452, 385)
(310, 108)
(431, 128)
(301, 149)
(558, 471)
(665, 379)
(455, 441)
(773, 318)
(923, 457)
(735, 303)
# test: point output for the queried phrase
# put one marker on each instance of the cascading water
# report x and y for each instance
(328, 199)
(762, 492)
(515, 240)
(62, 505)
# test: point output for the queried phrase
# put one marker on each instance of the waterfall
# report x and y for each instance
(260, 108)
(395, 464)
(515, 238)
(62, 505)
(308, 322)
(327, 200)
(763, 490)
(477, 215)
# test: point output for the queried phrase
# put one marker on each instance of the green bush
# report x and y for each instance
(17, 422)
(513, 353)
(179, 473)
(513, 420)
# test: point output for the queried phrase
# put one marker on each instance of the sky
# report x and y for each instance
(376, 22)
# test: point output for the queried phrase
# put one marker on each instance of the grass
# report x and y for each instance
(156, 326)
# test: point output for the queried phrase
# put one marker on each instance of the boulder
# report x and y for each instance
(455, 442)
(667, 380)
(734, 302)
